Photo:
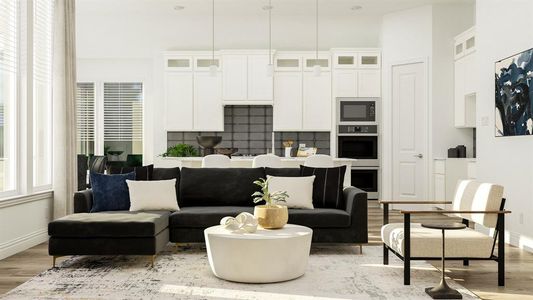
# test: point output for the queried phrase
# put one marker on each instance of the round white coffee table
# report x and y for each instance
(260, 257)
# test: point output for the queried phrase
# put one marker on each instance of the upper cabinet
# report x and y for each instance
(245, 79)
(193, 96)
(356, 73)
(465, 79)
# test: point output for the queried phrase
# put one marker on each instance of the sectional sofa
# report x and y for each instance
(205, 195)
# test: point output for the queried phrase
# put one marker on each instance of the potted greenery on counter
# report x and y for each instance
(270, 215)
(181, 150)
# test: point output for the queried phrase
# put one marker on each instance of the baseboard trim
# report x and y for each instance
(22, 243)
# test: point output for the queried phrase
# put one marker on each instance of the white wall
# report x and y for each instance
(505, 160)
(24, 223)
(424, 34)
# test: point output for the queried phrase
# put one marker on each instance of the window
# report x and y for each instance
(85, 118)
(9, 35)
(42, 92)
(123, 119)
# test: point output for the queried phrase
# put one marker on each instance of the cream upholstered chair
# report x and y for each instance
(266, 160)
(480, 203)
(216, 161)
(319, 161)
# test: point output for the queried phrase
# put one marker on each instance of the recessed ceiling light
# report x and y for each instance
(268, 7)
(179, 7)
(356, 7)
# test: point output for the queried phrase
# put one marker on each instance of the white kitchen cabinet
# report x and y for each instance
(369, 60)
(178, 63)
(317, 102)
(323, 60)
(260, 84)
(287, 113)
(235, 77)
(208, 108)
(345, 83)
(287, 63)
(345, 60)
(446, 175)
(369, 83)
(465, 80)
(440, 187)
(179, 101)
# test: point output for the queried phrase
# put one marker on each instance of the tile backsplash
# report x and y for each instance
(249, 128)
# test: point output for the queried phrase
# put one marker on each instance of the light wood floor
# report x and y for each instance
(480, 277)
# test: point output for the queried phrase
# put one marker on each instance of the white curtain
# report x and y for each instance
(64, 103)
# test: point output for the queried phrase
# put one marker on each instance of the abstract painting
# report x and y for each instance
(514, 95)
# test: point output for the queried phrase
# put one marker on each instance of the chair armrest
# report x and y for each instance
(455, 211)
(413, 202)
(83, 201)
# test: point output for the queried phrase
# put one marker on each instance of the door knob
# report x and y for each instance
(419, 155)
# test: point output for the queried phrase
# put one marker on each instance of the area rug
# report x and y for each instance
(333, 273)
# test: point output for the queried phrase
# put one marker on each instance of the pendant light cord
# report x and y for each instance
(213, 33)
(270, 31)
(316, 31)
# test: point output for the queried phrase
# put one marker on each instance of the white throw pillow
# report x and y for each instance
(153, 195)
(299, 189)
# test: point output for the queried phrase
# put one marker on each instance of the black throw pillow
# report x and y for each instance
(283, 172)
(141, 173)
(327, 187)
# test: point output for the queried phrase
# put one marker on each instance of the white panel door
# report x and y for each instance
(234, 77)
(317, 101)
(259, 82)
(179, 101)
(208, 109)
(369, 83)
(287, 114)
(345, 83)
(409, 132)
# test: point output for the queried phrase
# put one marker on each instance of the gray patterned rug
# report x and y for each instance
(334, 272)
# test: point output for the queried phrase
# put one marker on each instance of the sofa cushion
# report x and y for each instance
(110, 192)
(218, 186)
(328, 186)
(427, 242)
(283, 172)
(141, 173)
(204, 216)
(110, 224)
(320, 217)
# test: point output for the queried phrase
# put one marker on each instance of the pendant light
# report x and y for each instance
(213, 68)
(270, 66)
(316, 67)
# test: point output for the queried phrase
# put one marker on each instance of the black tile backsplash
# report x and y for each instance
(249, 128)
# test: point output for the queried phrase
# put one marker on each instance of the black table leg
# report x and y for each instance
(443, 290)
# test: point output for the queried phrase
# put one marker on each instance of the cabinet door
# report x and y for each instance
(317, 102)
(287, 114)
(440, 187)
(459, 89)
(369, 83)
(370, 60)
(208, 109)
(345, 83)
(259, 82)
(178, 63)
(345, 61)
(234, 77)
(179, 101)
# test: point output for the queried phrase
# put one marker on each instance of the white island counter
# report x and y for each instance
(246, 162)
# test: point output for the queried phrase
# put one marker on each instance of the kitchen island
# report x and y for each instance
(246, 162)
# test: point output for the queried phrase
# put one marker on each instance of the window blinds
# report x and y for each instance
(85, 111)
(8, 35)
(123, 111)
(42, 40)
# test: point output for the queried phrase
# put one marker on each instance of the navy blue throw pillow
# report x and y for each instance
(110, 192)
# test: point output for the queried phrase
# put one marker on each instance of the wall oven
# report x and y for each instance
(358, 142)
(354, 110)
(366, 178)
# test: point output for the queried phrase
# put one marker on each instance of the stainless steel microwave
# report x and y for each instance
(353, 110)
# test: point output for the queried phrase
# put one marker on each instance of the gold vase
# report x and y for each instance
(271, 216)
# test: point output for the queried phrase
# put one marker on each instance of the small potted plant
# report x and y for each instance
(270, 215)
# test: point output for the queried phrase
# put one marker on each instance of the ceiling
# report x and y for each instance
(250, 7)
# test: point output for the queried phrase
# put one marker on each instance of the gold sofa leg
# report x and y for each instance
(54, 260)
(152, 260)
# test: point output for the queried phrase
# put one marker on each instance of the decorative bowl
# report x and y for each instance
(226, 151)
(208, 141)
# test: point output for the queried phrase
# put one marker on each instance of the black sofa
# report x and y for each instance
(205, 195)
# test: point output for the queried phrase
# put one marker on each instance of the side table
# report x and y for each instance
(443, 291)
